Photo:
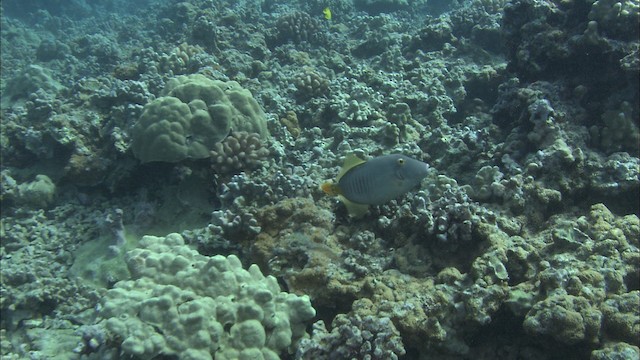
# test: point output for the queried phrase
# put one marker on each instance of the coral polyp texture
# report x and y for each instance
(184, 304)
(296, 27)
(237, 152)
(364, 338)
(194, 114)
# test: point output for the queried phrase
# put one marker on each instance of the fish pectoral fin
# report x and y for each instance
(355, 210)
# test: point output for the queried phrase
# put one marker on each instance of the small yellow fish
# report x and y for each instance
(327, 13)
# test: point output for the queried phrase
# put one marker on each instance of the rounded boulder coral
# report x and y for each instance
(194, 114)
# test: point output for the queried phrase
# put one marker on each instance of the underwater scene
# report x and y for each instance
(320, 180)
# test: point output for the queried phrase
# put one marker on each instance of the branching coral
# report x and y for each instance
(239, 151)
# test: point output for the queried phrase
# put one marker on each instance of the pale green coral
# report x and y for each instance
(568, 319)
(38, 193)
(32, 79)
(487, 184)
(616, 17)
(620, 131)
(616, 351)
(622, 316)
(193, 306)
(194, 115)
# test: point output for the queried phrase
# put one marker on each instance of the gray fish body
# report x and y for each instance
(382, 179)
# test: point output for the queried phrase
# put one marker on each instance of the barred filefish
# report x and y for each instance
(374, 182)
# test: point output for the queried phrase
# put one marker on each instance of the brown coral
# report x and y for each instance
(290, 121)
(182, 60)
(237, 152)
(297, 27)
(128, 71)
(310, 84)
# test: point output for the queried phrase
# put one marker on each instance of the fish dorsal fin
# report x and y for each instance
(350, 162)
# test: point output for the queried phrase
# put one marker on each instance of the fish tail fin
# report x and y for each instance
(330, 188)
(355, 210)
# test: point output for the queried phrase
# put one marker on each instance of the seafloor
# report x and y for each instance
(210, 126)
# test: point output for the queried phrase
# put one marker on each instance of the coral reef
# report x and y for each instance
(377, 6)
(310, 84)
(32, 79)
(240, 151)
(297, 27)
(194, 115)
(236, 226)
(567, 319)
(291, 123)
(617, 18)
(353, 337)
(39, 193)
(190, 305)
(37, 252)
(183, 59)
(219, 121)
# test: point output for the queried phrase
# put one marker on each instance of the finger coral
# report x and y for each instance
(239, 151)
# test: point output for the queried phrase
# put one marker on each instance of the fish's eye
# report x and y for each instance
(401, 161)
